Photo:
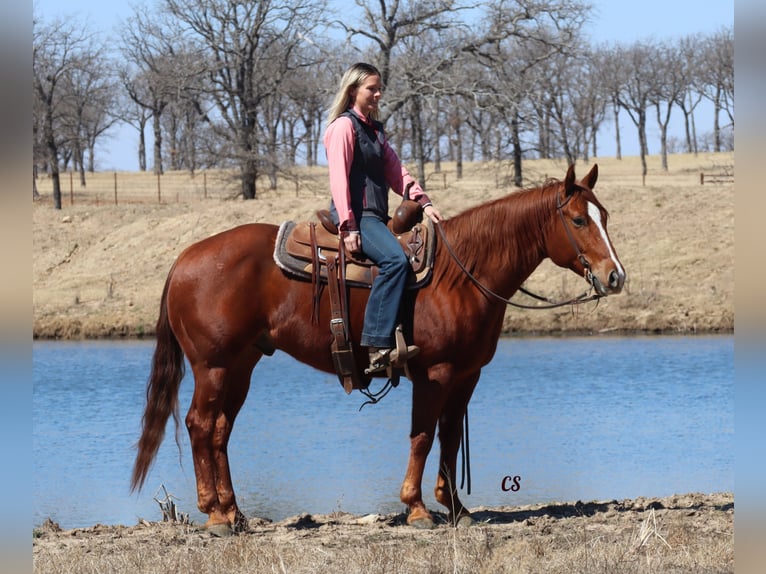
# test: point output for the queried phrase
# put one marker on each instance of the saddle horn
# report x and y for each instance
(408, 214)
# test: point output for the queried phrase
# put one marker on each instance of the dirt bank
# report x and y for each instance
(683, 533)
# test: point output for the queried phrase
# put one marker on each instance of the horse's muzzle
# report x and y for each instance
(615, 283)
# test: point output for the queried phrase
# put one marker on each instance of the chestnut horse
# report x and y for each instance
(226, 303)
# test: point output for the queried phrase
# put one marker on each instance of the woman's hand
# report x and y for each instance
(353, 242)
(433, 213)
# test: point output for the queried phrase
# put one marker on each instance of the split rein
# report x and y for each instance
(549, 304)
(584, 298)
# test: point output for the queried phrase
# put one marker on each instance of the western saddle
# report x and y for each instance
(314, 251)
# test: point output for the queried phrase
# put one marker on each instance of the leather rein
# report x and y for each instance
(549, 304)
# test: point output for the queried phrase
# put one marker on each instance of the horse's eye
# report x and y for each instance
(578, 221)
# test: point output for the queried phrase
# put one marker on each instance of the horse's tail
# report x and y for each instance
(161, 393)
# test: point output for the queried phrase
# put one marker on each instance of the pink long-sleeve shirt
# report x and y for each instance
(339, 142)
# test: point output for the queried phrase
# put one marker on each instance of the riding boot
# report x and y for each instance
(380, 359)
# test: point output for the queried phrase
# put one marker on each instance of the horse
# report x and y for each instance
(226, 304)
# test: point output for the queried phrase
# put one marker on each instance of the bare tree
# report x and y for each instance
(58, 50)
(670, 81)
(517, 37)
(157, 67)
(589, 102)
(689, 58)
(250, 47)
(245, 83)
(718, 79)
(388, 23)
(186, 113)
(635, 93)
(131, 112)
(403, 36)
(91, 95)
(607, 63)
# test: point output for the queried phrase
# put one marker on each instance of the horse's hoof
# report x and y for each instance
(221, 530)
(464, 521)
(425, 523)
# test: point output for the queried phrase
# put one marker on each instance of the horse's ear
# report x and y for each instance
(569, 181)
(589, 180)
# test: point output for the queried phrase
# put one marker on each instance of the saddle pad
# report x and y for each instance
(293, 254)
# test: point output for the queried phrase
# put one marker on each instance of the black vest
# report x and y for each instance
(367, 182)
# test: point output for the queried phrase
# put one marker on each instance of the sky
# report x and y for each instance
(611, 21)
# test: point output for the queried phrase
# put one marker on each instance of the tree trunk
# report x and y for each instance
(516, 142)
(695, 147)
(438, 132)
(157, 143)
(687, 128)
(458, 151)
(642, 141)
(617, 142)
(249, 174)
(53, 158)
(309, 129)
(716, 121)
(594, 137)
(663, 135)
(35, 193)
(81, 170)
(417, 141)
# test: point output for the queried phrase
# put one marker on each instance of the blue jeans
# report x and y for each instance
(380, 317)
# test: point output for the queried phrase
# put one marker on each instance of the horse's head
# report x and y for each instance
(579, 239)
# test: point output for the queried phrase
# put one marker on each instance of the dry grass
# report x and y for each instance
(690, 533)
(99, 267)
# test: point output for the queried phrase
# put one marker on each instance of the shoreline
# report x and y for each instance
(74, 332)
(679, 533)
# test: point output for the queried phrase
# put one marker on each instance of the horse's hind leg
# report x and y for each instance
(450, 433)
(218, 396)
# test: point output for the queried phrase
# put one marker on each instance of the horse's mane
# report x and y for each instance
(510, 226)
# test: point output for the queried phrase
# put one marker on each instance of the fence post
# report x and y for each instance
(702, 178)
(159, 192)
(71, 188)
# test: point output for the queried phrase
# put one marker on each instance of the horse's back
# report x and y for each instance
(244, 240)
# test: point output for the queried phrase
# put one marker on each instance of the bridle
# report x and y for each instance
(587, 273)
(549, 304)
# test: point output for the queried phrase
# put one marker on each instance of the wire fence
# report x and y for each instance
(116, 188)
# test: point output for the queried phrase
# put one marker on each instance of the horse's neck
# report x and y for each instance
(505, 243)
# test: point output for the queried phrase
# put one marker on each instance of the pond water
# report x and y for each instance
(564, 418)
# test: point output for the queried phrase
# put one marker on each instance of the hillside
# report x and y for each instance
(99, 268)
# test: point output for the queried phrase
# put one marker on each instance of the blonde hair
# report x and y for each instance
(352, 79)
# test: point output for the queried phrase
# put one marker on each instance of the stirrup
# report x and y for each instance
(403, 351)
(390, 359)
(399, 357)
(380, 360)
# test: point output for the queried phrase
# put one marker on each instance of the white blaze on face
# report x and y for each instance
(595, 214)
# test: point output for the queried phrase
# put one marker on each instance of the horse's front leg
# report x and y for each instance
(450, 433)
(427, 400)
